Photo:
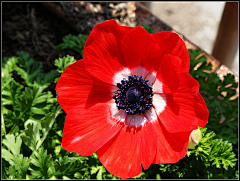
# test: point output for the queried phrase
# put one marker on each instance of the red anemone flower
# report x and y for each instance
(131, 99)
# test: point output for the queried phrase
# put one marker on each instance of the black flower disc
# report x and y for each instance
(134, 95)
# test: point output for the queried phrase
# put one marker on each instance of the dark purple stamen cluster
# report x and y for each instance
(134, 95)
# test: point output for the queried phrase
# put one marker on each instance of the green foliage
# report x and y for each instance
(20, 164)
(13, 145)
(22, 104)
(197, 59)
(29, 104)
(42, 163)
(148, 28)
(222, 153)
(8, 65)
(31, 136)
(220, 107)
(32, 71)
(64, 62)
(33, 121)
(211, 159)
(215, 151)
(29, 69)
(73, 42)
(11, 153)
(11, 91)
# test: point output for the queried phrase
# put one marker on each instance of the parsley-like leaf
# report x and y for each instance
(63, 63)
(222, 153)
(21, 164)
(198, 64)
(148, 28)
(31, 136)
(13, 144)
(43, 162)
(32, 71)
(32, 102)
(9, 64)
(73, 42)
(10, 91)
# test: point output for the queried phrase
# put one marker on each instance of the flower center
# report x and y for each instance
(134, 95)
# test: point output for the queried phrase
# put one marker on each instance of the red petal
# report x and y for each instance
(201, 110)
(171, 147)
(139, 48)
(169, 73)
(86, 130)
(76, 86)
(100, 93)
(102, 51)
(121, 155)
(171, 43)
(148, 145)
(184, 112)
(188, 84)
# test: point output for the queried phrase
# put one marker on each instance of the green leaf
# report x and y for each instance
(53, 178)
(78, 175)
(30, 69)
(148, 28)
(94, 170)
(21, 164)
(6, 154)
(194, 53)
(10, 91)
(12, 172)
(229, 85)
(31, 137)
(11, 120)
(4, 177)
(229, 79)
(66, 167)
(140, 176)
(64, 62)
(44, 80)
(43, 161)
(99, 170)
(237, 175)
(65, 178)
(216, 151)
(50, 76)
(33, 101)
(73, 42)
(198, 64)
(222, 153)
(14, 145)
(9, 64)
(47, 123)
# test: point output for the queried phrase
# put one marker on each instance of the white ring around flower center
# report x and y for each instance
(159, 100)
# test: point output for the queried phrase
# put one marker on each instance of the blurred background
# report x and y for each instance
(213, 26)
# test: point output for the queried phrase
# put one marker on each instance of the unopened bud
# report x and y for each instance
(194, 138)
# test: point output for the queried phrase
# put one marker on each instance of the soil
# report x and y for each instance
(32, 28)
